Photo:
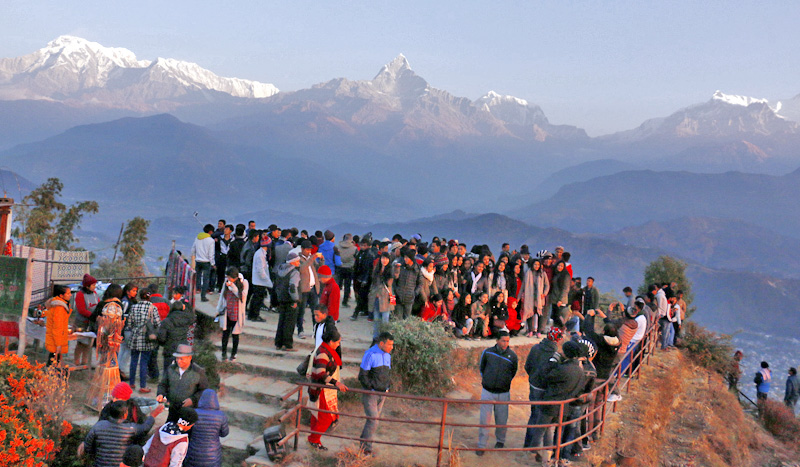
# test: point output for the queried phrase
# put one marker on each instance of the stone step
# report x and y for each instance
(240, 439)
(266, 332)
(266, 350)
(284, 368)
(250, 415)
(256, 388)
(259, 458)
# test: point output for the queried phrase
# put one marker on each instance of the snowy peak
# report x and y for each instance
(511, 109)
(397, 78)
(394, 68)
(732, 99)
(75, 69)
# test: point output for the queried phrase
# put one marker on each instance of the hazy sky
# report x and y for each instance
(603, 66)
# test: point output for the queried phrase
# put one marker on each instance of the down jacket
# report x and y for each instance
(174, 329)
(205, 448)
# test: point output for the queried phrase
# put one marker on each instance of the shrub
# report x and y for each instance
(422, 357)
(780, 421)
(32, 403)
(708, 349)
(67, 456)
(204, 356)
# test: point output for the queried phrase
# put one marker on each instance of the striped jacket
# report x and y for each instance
(108, 440)
(324, 368)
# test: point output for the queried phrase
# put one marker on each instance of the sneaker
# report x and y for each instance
(354, 317)
(614, 398)
(318, 446)
(145, 390)
(233, 358)
(499, 445)
(479, 453)
(301, 335)
(585, 445)
(203, 299)
(216, 320)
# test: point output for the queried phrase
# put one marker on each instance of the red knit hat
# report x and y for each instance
(324, 271)
(88, 280)
(555, 334)
(122, 391)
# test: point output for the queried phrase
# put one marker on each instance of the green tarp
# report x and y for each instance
(12, 285)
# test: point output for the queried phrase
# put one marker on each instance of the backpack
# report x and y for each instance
(282, 285)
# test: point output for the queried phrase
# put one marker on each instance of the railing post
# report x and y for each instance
(603, 413)
(297, 417)
(559, 430)
(441, 434)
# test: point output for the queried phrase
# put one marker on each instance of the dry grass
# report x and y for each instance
(780, 421)
(353, 457)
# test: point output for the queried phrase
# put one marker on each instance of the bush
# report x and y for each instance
(780, 421)
(204, 356)
(707, 349)
(422, 357)
(68, 455)
(32, 404)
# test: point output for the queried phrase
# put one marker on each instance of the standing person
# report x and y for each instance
(287, 288)
(735, 373)
(408, 283)
(792, 393)
(221, 255)
(381, 293)
(85, 300)
(175, 330)
(183, 382)
(542, 358)
(682, 315)
(168, 446)
(163, 307)
(235, 248)
(246, 256)
(498, 367)
(327, 363)
(205, 448)
(362, 274)
(57, 329)
(203, 259)
(330, 252)
(129, 293)
(144, 322)
(559, 293)
(535, 287)
(347, 251)
(591, 297)
(230, 310)
(331, 293)
(763, 380)
(261, 281)
(309, 283)
(108, 439)
(375, 374)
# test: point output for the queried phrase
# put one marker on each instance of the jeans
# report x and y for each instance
(222, 265)
(667, 331)
(545, 416)
(500, 417)
(535, 394)
(203, 277)
(461, 333)
(287, 318)
(626, 362)
(345, 279)
(403, 310)
(572, 430)
(377, 318)
(373, 406)
(140, 359)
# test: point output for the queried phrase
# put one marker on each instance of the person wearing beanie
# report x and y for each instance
(134, 456)
(168, 446)
(331, 293)
(85, 300)
(564, 381)
(542, 358)
(498, 366)
(330, 252)
(123, 392)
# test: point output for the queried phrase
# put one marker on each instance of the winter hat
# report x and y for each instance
(555, 334)
(572, 349)
(122, 391)
(441, 260)
(265, 242)
(187, 416)
(329, 235)
(306, 244)
(293, 256)
(134, 456)
(524, 250)
(324, 271)
(88, 281)
(417, 237)
(177, 305)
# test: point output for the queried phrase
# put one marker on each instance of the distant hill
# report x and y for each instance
(718, 243)
(726, 300)
(14, 185)
(609, 203)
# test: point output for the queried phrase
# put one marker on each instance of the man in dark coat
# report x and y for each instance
(408, 282)
(108, 439)
(175, 330)
(183, 382)
(498, 367)
(542, 358)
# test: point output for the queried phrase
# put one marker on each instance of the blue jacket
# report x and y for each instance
(205, 448)
(331, 255)
(376, 370)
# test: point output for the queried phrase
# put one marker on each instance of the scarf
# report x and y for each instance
(332, 353)
(428, 275)
(475, 280)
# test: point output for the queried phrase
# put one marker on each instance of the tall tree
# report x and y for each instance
(45, 222)
(668, 269)
(132, 245)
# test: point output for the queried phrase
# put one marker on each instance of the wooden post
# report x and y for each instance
(26, 302)
(5, 219)
(441, 434)
(559, 431)
(116, 245)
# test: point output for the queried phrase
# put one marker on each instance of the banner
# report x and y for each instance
(12, 285)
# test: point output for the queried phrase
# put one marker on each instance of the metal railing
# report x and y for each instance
(620, 378)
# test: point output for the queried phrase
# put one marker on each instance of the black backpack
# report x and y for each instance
(282, 285)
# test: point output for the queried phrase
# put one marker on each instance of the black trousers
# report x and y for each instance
(346, 280)
(228, 332)
(287, 320)
(257, 300)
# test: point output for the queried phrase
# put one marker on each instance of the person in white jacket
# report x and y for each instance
(203, 259)
(170, 441)
(261, 280)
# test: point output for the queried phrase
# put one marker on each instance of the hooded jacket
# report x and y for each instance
(167, 447)
(203, 248)
(330, 253)
(174, 329)
(205, 448)
(57, 333)
(287, 283)
(607, 348)
(542, 358)
(347, 251)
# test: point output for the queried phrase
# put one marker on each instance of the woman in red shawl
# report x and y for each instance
(326, 371)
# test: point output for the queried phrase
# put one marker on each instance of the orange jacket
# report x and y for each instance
(57, 325)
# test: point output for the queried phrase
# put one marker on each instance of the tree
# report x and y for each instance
(45, 222)
(132, 246)
(667, 269)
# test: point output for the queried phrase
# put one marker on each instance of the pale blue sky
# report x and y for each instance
(603, 66)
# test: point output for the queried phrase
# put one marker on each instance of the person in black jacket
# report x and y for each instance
(498, 367)
(565, 381)
(174, 330)
(542, 358)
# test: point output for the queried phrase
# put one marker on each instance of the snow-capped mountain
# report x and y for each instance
(407, 108)
(75, 70)
(722, 116)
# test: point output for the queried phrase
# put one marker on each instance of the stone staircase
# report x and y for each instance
(252, 388)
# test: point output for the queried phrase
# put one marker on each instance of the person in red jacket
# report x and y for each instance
(331, 295)
(85, 301)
